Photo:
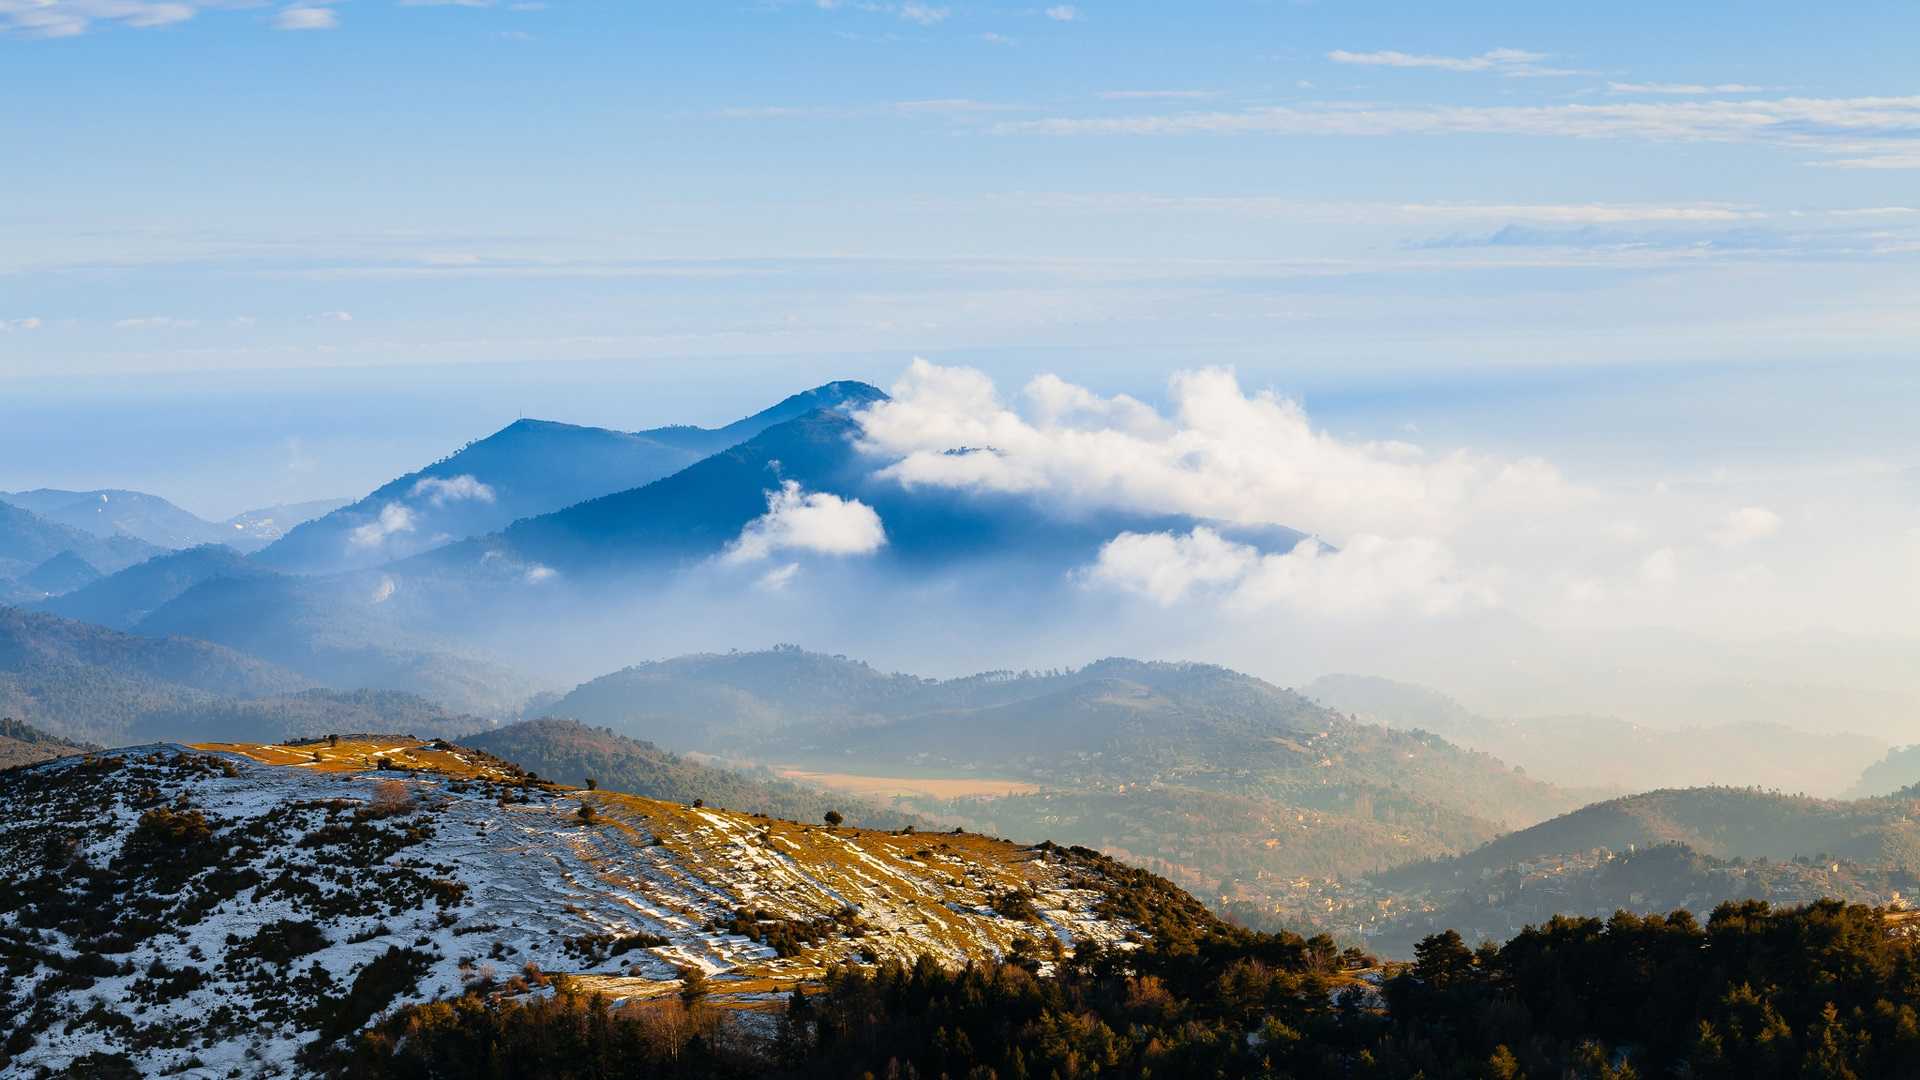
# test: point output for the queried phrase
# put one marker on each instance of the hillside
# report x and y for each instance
(87, 682)
(338, 632)
(1223, 782)
(112, 512)
(121, 600)
(528, 468)
(247, 908)
(24, 744)
(571, 753)
(28, 540)
(1722, 822)
(1607, 754)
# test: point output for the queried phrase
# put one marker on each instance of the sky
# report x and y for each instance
(257, 252)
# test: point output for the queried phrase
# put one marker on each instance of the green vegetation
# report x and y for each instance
(1824, 991)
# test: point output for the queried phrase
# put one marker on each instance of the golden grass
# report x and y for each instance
(359, 755)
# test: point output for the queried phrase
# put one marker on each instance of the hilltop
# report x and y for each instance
(264, 901)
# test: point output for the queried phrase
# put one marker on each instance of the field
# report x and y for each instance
(889, 787)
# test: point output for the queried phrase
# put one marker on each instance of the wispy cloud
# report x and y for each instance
(67, 18)
(1682, 89)
(305, 17)
(1158, 95)
(1873, 132)
(1063, 13)
(1511, 62)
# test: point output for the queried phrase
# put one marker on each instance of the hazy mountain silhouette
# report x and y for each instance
(528, 468)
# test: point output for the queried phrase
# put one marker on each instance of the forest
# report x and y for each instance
(1825, 990)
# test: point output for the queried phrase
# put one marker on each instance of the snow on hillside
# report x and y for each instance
(223, 911)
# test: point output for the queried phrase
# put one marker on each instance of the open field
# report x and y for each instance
(888, 787)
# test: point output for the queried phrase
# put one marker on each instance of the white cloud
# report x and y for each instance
(538, 573)
(924, 14)
(306, 17)
(818, 522)
(442, 490)
(30, 322)
(331, 316)
(1370, 576)
(384, 590)
(1063, 13)
(1224, 455)
(393, 518)
(1745, 525)
(1167, 566)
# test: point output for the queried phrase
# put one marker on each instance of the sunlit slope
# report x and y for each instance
(258, 899)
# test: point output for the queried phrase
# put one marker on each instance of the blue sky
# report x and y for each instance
(429, 217)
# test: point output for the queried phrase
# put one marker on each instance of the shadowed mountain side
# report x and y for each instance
(110, 513)
(530, 467)
(696, 513)
(1899, 769)
(121, 600)
(28, 540)
(340, 632)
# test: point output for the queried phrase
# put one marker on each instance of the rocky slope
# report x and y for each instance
(241, 909)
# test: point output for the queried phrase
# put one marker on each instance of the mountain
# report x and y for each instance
(87, 682)
(61, 574)
(28, 540)
(348, 632)
(1723, 822)
(1899, 769)
(571, 753)
(1604, 753)
(252, 530)
(695, 513)
(110, 513)
(1651, 853)
(528, 468)
(1198, 772)
(123, 599)
(234, 910)
(23, 744)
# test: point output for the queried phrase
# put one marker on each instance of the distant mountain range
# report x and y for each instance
(110, 513)
(1200, 772)
(84, 682)
(28, 541)
(1603, 753)
(529, 468)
